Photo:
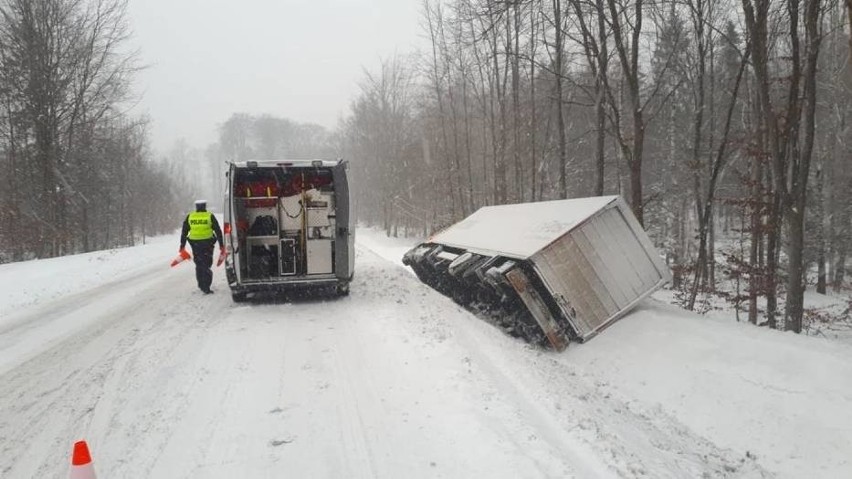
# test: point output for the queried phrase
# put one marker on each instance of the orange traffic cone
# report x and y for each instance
(81, 462)
(183, 256)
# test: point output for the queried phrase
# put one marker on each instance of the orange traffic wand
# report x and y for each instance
(183, 256)
(81, 462)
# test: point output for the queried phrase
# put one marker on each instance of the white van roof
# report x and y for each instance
(302, 162)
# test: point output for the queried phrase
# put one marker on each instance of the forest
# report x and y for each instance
(75, 175)
(724, 124)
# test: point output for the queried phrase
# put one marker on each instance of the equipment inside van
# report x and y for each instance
(288, 226)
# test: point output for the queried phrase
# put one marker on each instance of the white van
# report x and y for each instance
(287, 226)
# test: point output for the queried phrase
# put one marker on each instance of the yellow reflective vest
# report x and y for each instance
(200, 225)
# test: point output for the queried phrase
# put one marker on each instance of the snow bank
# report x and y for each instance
(782, 399)
(389, 248)
(32, 282)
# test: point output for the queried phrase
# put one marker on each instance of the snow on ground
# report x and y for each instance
(782, 398)
(396, 381)
(29, 317)
(826, 315)
(829, 314)
(388, 247)
(36, 282)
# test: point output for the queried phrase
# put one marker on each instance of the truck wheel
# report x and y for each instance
(238, 297)
(343, 288)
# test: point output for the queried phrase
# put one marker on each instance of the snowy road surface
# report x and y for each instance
(392, 381)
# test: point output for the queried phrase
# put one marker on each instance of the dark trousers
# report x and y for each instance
(202, 252)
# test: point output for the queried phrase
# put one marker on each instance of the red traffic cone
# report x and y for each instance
(81, 462)
(183, 256)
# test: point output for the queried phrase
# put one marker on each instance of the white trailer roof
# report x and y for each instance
(519, 230)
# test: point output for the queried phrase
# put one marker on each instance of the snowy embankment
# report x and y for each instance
(393, 381)
(780, 398)
(30, 321)
(36, 282)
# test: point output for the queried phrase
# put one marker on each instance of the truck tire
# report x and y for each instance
(343, 288)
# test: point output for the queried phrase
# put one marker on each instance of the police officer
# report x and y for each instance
(202, 230)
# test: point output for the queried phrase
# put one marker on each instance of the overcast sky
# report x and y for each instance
(299, 59)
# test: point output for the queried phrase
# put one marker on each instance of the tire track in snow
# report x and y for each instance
(421, 340)
(168, 373)
(71, 389)
(636, 441)
(347, 351)
(31, 316)
(28, 333)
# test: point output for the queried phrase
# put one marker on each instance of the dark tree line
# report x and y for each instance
(74, 171)
(725, 124)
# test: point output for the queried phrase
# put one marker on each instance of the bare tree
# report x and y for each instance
(66, 70)
(791, 159)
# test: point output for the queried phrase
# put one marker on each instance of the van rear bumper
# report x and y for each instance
(289, 284)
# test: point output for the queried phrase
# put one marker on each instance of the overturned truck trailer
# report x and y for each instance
(550, 272)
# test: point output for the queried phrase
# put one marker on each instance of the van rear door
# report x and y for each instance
(231, 223)
(344, 246)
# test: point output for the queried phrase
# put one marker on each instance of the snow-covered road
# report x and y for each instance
(393, 381)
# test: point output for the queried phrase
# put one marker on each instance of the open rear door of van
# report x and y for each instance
(232, 233)
(344, 246)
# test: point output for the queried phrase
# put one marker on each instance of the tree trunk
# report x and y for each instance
(801, 170)
(705, 205)
(636, 178)
(560, 110)
(822, 230)
(600, 99)
(436, 81)
(533, 117)
(697, 139)
(756, 276)
(795, 284)
(772, 251)
(516, 102)
(839, 270)
(630, 68)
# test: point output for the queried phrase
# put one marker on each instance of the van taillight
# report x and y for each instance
(227, 228)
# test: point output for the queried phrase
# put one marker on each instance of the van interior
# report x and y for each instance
(284, 221)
